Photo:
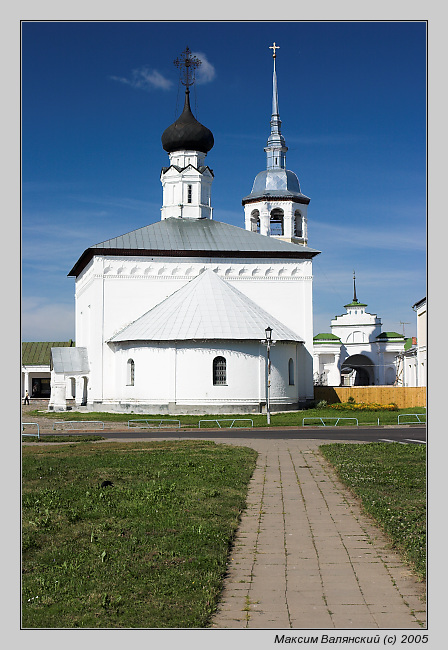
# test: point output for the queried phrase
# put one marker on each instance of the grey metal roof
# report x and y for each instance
(181, 237)
(276, 182)
(206, 308)
(198, 234)
(67, 360)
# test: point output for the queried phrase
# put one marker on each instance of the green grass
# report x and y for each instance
(149, 552)
(291, 418)
(390, 480)
(71, 438)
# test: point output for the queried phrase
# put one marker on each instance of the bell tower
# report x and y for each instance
(187, 181)
(276, 206)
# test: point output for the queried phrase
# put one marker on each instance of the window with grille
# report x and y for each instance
(130, 372)
(219, 371)
(189, 194)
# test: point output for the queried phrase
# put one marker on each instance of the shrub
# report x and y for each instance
(362, 406)
(321, 404)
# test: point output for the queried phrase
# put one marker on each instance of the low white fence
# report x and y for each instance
(31, 424)
(323, 423)
(77, 422)
(228, 420)
(154, 424)
(417, 417)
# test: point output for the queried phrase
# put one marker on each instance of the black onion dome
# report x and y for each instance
(187, 133)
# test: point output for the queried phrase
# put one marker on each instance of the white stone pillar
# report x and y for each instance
(58, 400)
(79, 391)
(265, 223)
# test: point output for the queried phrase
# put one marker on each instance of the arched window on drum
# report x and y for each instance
(219, 371)
(291, 372)
(130, 372)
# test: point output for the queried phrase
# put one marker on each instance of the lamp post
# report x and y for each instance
(268, 341)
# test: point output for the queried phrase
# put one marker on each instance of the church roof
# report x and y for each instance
(206, 308)
(37, 353)
(68, 360)
(390, 336)
(175, 237)
(325, 337)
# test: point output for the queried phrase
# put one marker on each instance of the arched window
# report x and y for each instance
(298, 232)
(255, 221)
(277, 222)
(130, 372)
(219, 371)
(291, 372)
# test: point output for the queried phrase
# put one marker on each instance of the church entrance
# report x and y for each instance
(357, 370)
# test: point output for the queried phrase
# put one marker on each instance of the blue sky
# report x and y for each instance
(96, 97)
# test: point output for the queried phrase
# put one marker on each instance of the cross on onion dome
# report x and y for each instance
(187, 63)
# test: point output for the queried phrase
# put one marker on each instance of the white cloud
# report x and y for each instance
(144, 78)
(358, 237)
(44, 321)
(206, 71)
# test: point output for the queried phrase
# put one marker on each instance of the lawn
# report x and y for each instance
(390, 480)
(150, 551)
(286, 418)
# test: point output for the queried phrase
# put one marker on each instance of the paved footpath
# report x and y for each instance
(305, 557)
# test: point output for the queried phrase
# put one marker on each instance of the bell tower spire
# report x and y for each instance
(276, 206)
(276, 147)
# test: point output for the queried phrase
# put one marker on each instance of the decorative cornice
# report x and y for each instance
(140, 252)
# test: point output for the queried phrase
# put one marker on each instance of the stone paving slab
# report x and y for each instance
(305, 557)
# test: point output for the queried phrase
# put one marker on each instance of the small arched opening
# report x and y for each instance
(85, 381)
(291, 372)
(130, 372)
(298, 224)
(255, 221)
(277, 222)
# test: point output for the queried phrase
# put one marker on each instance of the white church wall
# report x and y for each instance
(115, 291)
(178, 378)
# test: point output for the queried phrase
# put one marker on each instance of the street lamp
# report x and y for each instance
(268, 341)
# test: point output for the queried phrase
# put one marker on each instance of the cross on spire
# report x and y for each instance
(187, 63)
(274, 47)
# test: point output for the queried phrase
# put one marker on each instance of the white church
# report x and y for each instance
(173, 317)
